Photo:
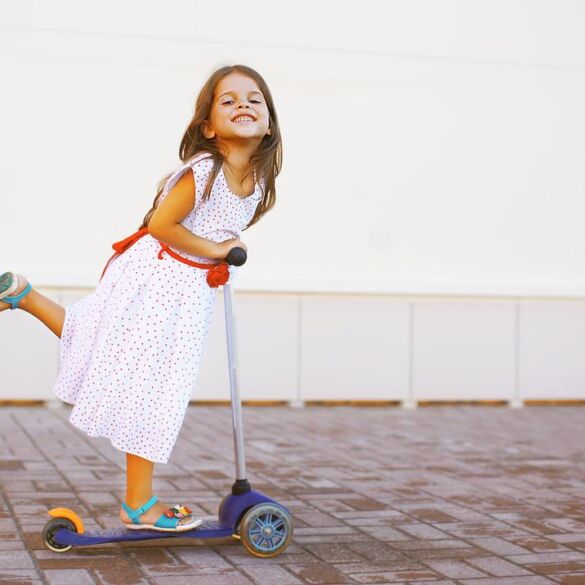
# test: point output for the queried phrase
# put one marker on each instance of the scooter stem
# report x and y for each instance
(241, 484)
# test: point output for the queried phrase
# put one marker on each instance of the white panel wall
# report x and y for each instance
(355, 347)
(267, 329)
(464, 350)
(551, 349)
(29, 355)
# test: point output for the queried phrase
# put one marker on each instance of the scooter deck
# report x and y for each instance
(209, 529)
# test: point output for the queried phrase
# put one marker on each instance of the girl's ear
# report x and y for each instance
(207, 130)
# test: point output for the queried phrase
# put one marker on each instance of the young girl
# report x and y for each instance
(130, 351)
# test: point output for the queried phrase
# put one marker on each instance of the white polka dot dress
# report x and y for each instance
(130, 351)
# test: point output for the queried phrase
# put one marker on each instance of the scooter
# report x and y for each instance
(263, 525)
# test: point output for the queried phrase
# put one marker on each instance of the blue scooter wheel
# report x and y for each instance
(51, 527)
(266, 530)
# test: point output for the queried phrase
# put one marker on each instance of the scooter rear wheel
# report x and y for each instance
(266, 530)
(51, 527)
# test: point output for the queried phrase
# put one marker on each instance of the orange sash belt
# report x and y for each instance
(216, 273)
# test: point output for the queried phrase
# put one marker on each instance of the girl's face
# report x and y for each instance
(239, 112)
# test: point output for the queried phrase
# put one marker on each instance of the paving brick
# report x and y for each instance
(423, 531)
(200, 556)
(570, 579)
(19, 559)
(335, 553)
(318, 519)
(529, 580)
(20, 576)
(444, 554)
(540, 544)
(7, 525)
(433, 582)
(454, 569)
(376, 551)
(500, 546)
(74, 559)
(556, 568)
(232, 577)
(271, 574)
(548, 557)
(71, 577)
(578, 538)
(394, 565)
(126, 575)
(6, 545)
(497, 567)
(318, 573)
(386, 534)
(392, 576)
(430, 544)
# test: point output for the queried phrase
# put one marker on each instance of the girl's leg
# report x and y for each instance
(139, 489)
(50, 313)
(138, 480)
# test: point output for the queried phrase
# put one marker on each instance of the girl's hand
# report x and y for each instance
(225, 247)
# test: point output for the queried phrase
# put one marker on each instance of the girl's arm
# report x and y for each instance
(165, 223)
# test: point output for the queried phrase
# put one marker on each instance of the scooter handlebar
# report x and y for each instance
(236, 256)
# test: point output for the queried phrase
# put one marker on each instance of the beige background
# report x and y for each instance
(429, 146)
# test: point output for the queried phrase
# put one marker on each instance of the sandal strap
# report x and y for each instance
(14, 300)
(135, 514)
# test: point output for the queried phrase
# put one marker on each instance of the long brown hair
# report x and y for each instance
(266, 162)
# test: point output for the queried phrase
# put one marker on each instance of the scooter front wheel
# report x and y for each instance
(51, 527)
(266, 530)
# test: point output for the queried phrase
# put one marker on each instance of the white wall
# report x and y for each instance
(429, 146)
(314, 347)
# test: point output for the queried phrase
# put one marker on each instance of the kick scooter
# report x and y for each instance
(263, 525)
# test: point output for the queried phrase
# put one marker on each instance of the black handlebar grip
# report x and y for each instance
(236, 256)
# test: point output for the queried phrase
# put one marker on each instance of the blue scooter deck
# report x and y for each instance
(209, 529)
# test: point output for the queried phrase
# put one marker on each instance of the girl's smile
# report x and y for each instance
(244, 120)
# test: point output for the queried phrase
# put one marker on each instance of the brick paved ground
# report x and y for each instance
(464, 494)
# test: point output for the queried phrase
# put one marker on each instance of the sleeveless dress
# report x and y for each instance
(130, 351)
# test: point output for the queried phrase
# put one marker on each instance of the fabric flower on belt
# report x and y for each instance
(177, 511)
(218, 274)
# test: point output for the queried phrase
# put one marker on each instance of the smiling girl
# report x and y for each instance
(131, 350)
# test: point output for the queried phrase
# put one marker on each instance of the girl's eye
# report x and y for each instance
(229, 101)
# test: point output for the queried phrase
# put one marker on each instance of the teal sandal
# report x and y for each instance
(168, 522)
(8, 284)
